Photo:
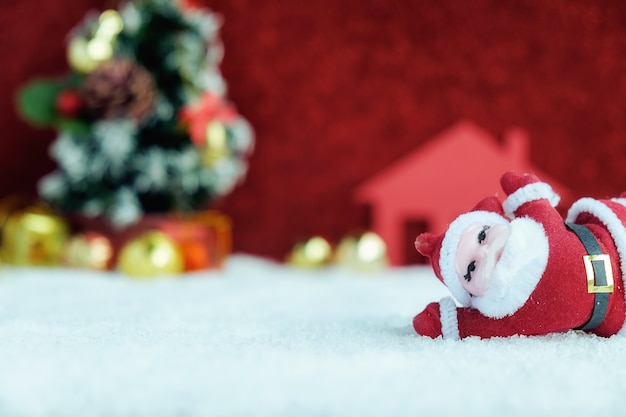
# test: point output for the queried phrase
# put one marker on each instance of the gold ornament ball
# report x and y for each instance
(110, 24)
(365, 252)
(89, 250)
(314, 253)
(150, 254)
(34, 236)
(216, 145)
(84, 55)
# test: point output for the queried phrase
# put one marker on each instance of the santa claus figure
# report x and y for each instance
(519, 268)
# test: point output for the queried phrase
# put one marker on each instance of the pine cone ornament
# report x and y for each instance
(119, 88)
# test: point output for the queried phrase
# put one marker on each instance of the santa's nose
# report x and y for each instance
(483, 250)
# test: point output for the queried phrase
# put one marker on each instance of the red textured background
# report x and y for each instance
(338, 89)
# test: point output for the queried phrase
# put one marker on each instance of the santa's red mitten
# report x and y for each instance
(522, 188)
(438, 319)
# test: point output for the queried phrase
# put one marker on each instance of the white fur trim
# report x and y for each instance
(614, 225)
(449, 320)
(608, 217)
(449, 247)
(620, 200)
(529, 192)
(518, 271)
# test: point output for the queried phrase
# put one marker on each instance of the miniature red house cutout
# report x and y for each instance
(442, 179)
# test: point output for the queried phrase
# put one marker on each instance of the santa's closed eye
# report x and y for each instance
(482, 235)
(470, 268)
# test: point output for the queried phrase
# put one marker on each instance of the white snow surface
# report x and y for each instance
(264, 339)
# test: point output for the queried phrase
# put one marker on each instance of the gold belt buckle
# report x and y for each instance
(591, 287)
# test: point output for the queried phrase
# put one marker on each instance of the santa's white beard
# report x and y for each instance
(516, 273)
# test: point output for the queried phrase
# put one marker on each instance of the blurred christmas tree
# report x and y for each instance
(142, 118)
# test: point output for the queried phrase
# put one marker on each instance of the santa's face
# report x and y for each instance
(480, 248)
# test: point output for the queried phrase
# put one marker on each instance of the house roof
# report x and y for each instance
(451, 172)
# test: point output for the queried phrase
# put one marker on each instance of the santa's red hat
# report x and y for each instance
(442, 249)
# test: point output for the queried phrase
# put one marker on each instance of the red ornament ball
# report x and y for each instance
(69, 103)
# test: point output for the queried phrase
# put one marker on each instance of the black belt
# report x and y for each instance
(599, 275)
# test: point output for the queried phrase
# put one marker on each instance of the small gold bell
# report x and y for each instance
(365, 252)
(89, 250)
(313, 253)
